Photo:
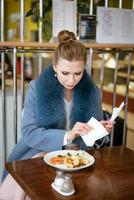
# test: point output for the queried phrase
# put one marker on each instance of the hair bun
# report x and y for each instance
(65, 35)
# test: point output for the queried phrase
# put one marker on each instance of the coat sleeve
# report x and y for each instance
(36, 137)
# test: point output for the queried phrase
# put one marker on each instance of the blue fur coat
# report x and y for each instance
(50, 109)
(44, 117)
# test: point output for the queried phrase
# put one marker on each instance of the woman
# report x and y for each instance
(58, 104)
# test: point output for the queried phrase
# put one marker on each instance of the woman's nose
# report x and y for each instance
(71, 78)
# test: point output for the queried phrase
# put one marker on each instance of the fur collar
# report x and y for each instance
(50, 111)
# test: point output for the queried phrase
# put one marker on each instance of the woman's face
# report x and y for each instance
(69, 73)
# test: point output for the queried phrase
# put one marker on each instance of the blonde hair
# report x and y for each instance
(69, 48)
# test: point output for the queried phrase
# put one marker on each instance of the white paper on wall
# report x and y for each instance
(64, 16)
(115, 25)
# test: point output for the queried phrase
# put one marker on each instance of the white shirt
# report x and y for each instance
(68, 107)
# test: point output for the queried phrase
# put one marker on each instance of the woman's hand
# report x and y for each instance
(108, 125)
(78, 129)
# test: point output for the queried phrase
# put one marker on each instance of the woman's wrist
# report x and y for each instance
(69, 139)
(68, 142)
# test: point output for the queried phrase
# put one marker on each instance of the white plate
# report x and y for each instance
(63, 167)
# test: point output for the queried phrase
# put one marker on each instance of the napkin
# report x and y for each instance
(116, 111)
(99, 131)
(96, 133)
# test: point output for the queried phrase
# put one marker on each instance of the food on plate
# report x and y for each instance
(70, 161)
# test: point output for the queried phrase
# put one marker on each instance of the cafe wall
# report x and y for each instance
(12, 17)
